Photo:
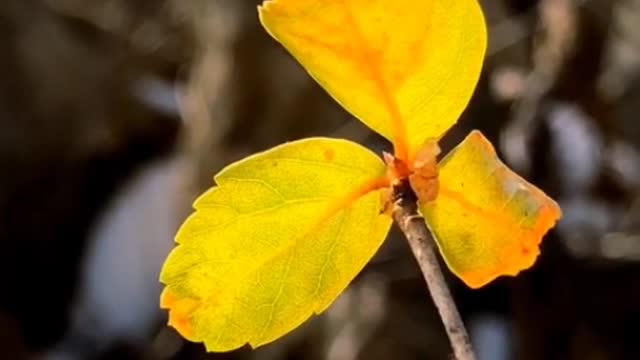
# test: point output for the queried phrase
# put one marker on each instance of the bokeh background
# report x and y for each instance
(115, 114)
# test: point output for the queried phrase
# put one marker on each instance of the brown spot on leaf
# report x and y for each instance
(329, 154)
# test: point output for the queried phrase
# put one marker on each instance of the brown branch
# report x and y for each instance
(423, 246)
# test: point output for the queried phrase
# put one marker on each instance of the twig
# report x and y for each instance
(422, 244)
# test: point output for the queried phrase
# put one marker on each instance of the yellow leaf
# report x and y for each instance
(406, 68)
(487, 220)
(278, 239)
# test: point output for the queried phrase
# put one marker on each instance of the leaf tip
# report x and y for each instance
(524, 253)
(265, 8)
(180, 311)
(478, 138)
(265, 5)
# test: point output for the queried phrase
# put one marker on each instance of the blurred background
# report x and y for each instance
(115, 114)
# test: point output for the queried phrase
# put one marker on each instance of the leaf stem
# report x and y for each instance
(423, 246)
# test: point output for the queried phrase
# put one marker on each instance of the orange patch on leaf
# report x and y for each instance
(180, 311)
(371, 63)
(523, 254)
(329, 154)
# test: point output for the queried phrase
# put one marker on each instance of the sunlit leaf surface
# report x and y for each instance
(278, 239)
(283, 232)
(487, 220)
(406, 68)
